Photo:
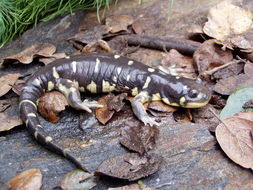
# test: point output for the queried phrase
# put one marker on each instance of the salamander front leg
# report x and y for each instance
(71, 92)
(139, 109)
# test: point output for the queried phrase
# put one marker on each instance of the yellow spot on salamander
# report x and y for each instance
(65, 152)
(177, 77)
(166, 101)
(128, 77)
(31, 115)
(114, 78)
(74, 66)
(81, 89)
(130, 62)
(135, 91)
(97, 65)
(50, 85)
(151, 70)
(67, 57)
(116, 56)
(119, 70)
(26, 122)
(39, 126)
(92, 87)
(36, 135)
(27, 101)
(156, 97)
(106, 87)
(76, 83)
(147, 82)
(37, 82)
(55, 73)
(48, 139)
(182, 101)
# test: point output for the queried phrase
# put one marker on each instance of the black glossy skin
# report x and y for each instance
(108, 69)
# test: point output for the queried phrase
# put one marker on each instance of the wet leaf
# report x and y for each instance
(50, 104)
(227, 85)
(111, 103)
(210, 55)
(236, 101)
(235, 140)
(6, 82)
(28, 180)
(8, 122)
(138, 137)
(26, 56)
(132, 187)
(78, 180)
(130, 166)
(226, 21)
(119, 23)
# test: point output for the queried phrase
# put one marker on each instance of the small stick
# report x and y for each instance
(182, 45)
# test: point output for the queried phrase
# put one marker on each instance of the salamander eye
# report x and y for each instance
(193, 93)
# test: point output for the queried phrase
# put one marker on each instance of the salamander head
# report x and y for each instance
(187, 93)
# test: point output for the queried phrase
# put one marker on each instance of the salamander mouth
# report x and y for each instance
(196, 104)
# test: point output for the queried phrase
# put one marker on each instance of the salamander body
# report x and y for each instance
(103, 73)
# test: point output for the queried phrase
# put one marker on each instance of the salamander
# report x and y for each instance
(103, 73)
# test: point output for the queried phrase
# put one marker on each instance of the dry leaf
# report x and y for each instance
(138, 137)
(4, 104)
(7, 81)
(111, 103)
(225, 21)
(210, 55)
(26, 56)
(8, 122)
(235, 140)
(17, 87)
(118, 23)
(50, 104)
(130, 166)
(28, 180)
(227, 85)
(248, 68)
(132, 187)
(51, 58)
(78, 180)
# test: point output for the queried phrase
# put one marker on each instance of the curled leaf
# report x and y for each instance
(235, 140)
(50, 104)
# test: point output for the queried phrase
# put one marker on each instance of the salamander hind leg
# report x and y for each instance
(71, 92)
(139, 109)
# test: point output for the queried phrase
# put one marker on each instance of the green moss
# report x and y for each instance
(16, 16)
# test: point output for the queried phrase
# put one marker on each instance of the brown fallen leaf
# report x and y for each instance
(28, 180)
(6, 82)
(130, 166)
(17, 87)
(50, 104)
(210, 55)
(51, 58)
(26, 56)
(111, 103)
(235, 140)
(138, 137)
(91, 35)
(118, 23)
(8, 122)
(227, 23)
(133, 187)
(78, 180)
(228, 85)
(161, 107)
(99, 46)
(248, 68)
(5, 104)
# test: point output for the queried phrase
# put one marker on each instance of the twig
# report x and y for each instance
(182, 45)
